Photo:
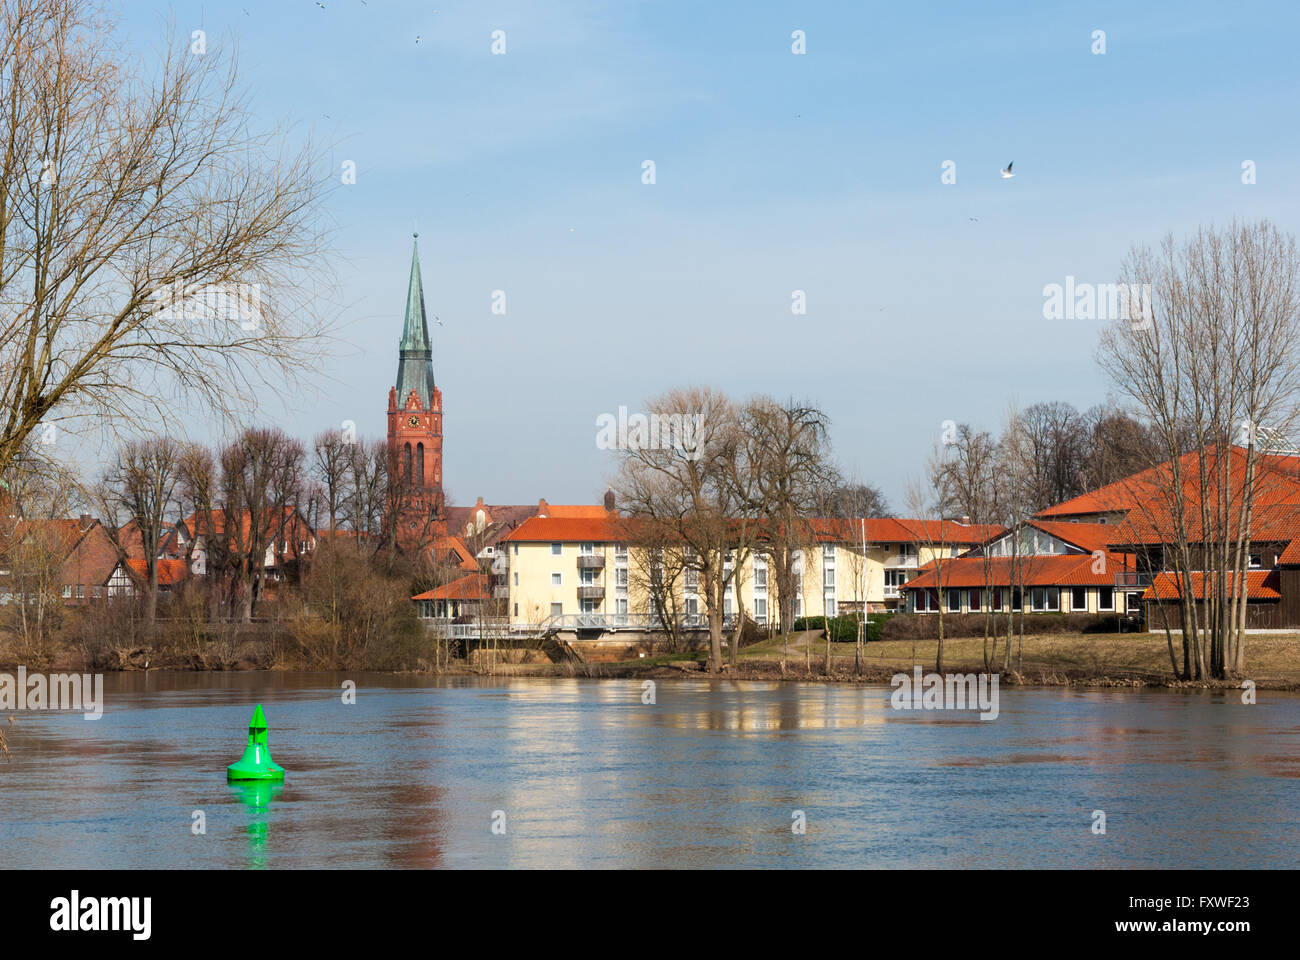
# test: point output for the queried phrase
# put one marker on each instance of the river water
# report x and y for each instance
(582, 773)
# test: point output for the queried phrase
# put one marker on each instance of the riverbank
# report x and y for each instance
(1084, 660)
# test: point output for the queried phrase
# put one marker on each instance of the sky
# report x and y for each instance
(774, 172)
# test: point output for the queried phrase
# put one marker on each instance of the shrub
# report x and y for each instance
(844, 629)
(925, 626)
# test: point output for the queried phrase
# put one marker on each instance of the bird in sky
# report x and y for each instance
(973, 219)
(1006, 172)
(438, 318)
(319, 4)
(417, 41)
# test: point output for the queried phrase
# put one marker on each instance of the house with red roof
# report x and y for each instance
(1043, 566)
(1113, 549)
(578, 566)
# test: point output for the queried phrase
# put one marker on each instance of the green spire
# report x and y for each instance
(415, 355)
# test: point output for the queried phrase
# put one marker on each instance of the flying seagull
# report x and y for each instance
(417, 41)
(1006, 172)
(438, 318)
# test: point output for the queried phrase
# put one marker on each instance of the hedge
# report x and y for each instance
(844, 629)
(925, 626)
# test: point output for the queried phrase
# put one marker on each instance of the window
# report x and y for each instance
(1256, 561)
(97, 592)
(996, 596)
(586, 549)
(516, 578)
(760, 578)
(1045, 598)
(557, 609)
(760, 609)
(557, 579)
(828, 577)
(587, 576)
(620, 577)
(516, 549)
(555, 549)
(828, 552)
(1078, 598)
(620, 605)
(620, 550)
(67, 591)
(1017, 600)
(1105, 598)
(954, 601)
(692, 580)
(81, 591)
(974, 601)
(692, 607)
(830, 607)
(516, 609)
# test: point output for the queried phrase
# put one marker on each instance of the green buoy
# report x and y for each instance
(256, 763)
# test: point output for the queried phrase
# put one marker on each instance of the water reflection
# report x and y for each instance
(589, 775)
(256, 797)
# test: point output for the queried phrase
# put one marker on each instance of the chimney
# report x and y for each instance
(609, 500)
(543, 508)
(86, 521)
(965, 521)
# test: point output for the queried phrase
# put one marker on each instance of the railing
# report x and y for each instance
(590, 592)
(891, 593)
(502, 628)
(591, 561)
(902, 560)
(501, 593)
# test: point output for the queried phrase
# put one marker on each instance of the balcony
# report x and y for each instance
(591, 592)
(904, 560)
(501, 593)
(591, 561)
(891, 592)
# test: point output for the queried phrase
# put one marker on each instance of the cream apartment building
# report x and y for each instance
(582, 570)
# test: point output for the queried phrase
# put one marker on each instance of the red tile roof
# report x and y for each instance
(905, 530)
(604, 529)
(170, 571)
(1277, 481)
(452, 549)
(469, 587)
(1065, 570)
(1260, 585)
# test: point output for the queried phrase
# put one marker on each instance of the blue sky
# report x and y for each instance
(775, 172)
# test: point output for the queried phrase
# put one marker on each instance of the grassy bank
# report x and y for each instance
(1273, 661)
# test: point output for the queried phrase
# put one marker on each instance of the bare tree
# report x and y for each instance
(261, 480)
(684, 493)
(141, 486)
(1216, 356)
(140, 221)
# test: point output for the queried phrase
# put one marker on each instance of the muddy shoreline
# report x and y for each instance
(751, 669)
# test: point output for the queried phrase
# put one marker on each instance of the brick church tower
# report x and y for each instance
(415, 428)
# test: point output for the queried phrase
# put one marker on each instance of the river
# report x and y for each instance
(581, 773)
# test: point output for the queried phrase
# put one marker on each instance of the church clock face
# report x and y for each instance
(413, 421)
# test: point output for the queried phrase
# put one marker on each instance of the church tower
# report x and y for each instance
(415, 428)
